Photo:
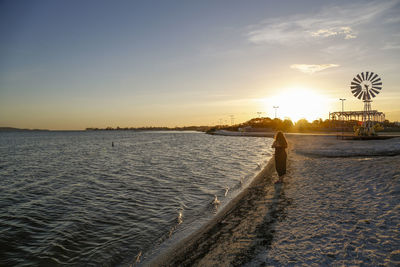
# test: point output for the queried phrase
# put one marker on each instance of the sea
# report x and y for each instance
(114, 198)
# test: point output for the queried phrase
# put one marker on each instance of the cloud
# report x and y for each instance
(347, 32)
(329, 22)
(310, 69)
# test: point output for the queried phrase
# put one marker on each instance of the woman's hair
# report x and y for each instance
(281, 139)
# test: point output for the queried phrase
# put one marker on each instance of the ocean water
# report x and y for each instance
(73, 199)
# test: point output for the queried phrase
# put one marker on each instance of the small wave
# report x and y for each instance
(226, 190)
(178, 220)
(137, 259)
(180, 217)
(216, 202)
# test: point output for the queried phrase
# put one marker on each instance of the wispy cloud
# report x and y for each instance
(310, 69)
(330, 22)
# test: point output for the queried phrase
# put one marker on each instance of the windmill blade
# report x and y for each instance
(368, 95)
(366, 75)
(356, 84)
(376, 75)
(356, 93)
(376, 80)
(377, 88)
(356, 80)
(370, 76)
(362, 75)
(359, 77)
(361, 95)
(356, 90)
(375, 91)
(374, 84)
(371, 93)
(355, 87)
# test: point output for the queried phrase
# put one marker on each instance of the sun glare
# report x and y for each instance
(298, 103)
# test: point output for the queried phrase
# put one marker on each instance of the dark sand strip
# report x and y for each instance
(239, 230)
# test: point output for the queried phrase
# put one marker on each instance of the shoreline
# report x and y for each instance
(206, 245)
(336, 205)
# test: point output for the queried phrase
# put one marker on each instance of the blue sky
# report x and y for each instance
(76, 64)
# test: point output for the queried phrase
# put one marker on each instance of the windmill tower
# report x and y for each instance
(365, 87)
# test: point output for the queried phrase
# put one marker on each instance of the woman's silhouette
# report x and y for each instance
(280, 145)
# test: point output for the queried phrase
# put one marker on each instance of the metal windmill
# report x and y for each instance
(366, 86)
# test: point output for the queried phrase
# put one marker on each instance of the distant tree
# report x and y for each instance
(386, 123)
(287, 125)
(302, 125)
(378, 127)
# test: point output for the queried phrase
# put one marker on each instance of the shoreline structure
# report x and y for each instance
(339, 205)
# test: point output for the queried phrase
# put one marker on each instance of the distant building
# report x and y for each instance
(374, 115)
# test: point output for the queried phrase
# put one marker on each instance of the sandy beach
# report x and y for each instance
(345, 205)
(339, 205)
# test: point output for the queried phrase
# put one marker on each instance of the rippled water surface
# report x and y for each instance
(71, 198)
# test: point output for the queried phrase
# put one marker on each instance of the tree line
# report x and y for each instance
(302, 125)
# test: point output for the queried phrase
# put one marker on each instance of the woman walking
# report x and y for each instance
(280, 145)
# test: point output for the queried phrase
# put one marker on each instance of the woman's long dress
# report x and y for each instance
(280, 160)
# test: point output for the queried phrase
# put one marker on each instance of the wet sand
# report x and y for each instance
(337, 206)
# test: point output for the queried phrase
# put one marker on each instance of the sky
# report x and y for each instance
(68, 65)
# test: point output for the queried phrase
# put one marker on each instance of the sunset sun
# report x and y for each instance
(298, 103)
